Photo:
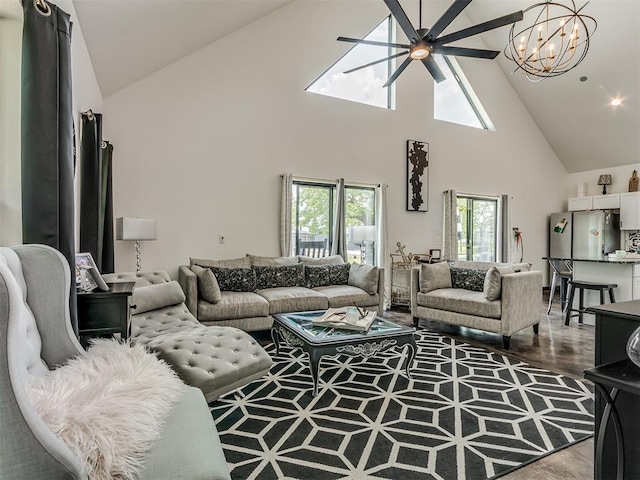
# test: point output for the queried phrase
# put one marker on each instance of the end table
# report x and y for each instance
(104, 313)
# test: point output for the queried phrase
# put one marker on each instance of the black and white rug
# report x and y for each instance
(467, 414)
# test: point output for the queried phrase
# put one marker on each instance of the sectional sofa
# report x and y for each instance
(245, 292)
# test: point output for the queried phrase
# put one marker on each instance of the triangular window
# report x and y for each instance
(454, 99)
(364, 85)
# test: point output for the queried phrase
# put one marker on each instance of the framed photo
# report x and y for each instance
(435, 254)
(83, 261)
(417, 176)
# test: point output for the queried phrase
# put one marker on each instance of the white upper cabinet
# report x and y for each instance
(606, 202)
(580, 203)
(630, 211)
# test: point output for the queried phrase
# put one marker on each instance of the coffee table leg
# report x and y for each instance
(314, 366)
(275, 339)
(412, 355)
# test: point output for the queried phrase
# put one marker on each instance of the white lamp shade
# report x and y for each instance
(136, 229)
(363, 233)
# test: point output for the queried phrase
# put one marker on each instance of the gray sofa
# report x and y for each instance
(499, 298)
(282, 284)
(35, 328)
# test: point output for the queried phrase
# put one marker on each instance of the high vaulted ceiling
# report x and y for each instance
(130, 39)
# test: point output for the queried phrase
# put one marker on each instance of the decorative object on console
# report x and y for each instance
(425, 42)
(542, 49)
(136, 229)
(435, 254)
(604, 180)
(633, 182)
(417, 176)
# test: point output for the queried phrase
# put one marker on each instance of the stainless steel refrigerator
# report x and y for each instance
(595, 233)
(560, 228)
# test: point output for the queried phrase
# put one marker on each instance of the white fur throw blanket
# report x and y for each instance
(108, 405)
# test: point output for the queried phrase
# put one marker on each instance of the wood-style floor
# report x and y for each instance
(563, 349)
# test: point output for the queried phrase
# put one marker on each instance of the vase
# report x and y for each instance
(633, 347)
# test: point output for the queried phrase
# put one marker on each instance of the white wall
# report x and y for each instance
(86, 94)
(200, 144)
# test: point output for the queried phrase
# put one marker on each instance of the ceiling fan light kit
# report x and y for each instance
(555, 42)
(423, 43)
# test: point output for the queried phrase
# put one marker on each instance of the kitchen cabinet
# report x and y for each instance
(630, 211)
(606, 202)
(580, 203)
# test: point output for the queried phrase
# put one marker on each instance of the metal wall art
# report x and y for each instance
(417, 176)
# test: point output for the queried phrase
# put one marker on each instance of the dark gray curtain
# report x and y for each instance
(96, 214)
(47, 133)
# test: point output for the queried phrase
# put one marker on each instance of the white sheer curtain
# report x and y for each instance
(450, 226)
(339, 235)
(383, 260)
(285, 214)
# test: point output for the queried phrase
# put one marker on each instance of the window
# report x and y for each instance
(313, 217)
(364, 85)
(454, 99)
(478, 228)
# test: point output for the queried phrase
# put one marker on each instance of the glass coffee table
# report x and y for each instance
(297, 330)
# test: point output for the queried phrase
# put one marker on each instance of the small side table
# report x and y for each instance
(104, 313)
(610, 379)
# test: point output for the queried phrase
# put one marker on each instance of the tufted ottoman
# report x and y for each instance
(217, 360)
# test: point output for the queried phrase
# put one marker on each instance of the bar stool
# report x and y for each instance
(564, 275)
(582, 286)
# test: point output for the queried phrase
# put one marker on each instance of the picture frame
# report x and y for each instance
(417, 176)
(84, 261)
(435, 253)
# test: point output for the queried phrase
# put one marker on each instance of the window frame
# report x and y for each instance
(497, 225)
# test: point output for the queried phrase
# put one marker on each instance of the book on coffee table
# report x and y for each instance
(347, 318)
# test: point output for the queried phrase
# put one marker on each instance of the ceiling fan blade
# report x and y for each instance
(467, 52)
(447, 17)
(399, 70)
(403, 20)
(434, 69)
(377, 61)
(371, 42)
(481, 27)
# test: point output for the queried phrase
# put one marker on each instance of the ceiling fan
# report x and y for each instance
(425, 42)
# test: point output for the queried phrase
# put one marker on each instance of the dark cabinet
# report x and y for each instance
(105, 313)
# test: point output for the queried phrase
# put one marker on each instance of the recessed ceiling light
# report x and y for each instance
(616, 101)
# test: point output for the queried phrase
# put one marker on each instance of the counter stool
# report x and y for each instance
(582, 286)
(564, 276)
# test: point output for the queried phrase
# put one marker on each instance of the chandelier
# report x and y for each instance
(556, 41)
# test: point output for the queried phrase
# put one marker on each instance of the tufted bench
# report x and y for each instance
(215, 359)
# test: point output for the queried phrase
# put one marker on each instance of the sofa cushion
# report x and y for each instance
(493, 279)
(332, 260)
(364, 277)
(294, 299)
(461, 301)
(279, 276)
(346, 295)
(434, 276)
(157, 296)
(208, 287)
(235, 279)
(322, 275)
(242, 262)
(467, 278)
(271, 261)
(233, 305)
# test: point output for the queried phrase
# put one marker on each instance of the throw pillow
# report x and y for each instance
(492, 288)
(332, 260)
(279, 276)
(257, 261)
(156, 296)
(468, 278)
(434, 276)
(364, 277)
(235, 279)
(325, 275)
(208, 287)
(242, 262)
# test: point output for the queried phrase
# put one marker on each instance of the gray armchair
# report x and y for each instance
(35, 336)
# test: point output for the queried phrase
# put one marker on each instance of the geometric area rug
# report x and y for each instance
(467, 413)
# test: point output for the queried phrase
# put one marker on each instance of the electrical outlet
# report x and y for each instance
(221, 239)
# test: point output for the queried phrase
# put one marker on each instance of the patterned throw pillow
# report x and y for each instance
(235, 279)
(324, 275)
(279, 276)
(467, 278)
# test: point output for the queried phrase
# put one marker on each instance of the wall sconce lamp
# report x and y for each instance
(604, 180)
(136, 229)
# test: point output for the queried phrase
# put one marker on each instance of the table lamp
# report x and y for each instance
(604, 180)
(360, 234)
(136, 229)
